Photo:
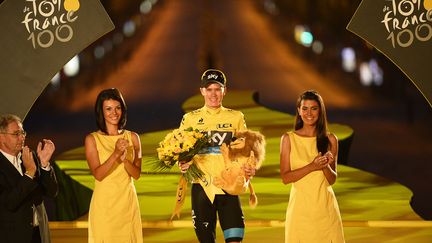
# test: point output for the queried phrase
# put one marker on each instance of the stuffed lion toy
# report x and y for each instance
(248, 147)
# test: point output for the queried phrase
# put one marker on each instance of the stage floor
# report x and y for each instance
(355, 232)
(373, 208)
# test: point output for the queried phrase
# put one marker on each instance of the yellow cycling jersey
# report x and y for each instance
(221, 124)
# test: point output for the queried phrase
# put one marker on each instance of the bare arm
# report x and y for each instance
(100, 171)
(330, 170)
(133, 168)
(288, 175)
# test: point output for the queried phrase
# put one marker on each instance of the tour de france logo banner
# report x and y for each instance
(402, 31)
(37, 38)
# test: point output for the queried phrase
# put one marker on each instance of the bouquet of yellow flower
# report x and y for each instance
(182, 145)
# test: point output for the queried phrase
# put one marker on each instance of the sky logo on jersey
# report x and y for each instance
(217, 138)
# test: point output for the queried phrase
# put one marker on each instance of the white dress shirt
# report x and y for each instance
(16, 161)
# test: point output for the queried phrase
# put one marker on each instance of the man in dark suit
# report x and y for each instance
(25, 178)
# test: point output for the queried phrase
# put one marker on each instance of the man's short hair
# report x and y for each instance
(7, 119)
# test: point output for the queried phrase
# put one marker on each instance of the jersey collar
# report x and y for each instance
(212, 111)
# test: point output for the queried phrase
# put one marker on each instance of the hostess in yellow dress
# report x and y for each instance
(114, 214)
(313, 212)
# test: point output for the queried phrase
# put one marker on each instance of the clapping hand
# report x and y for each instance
(320, 161)
(121, 148)
(330, 157)
(28, 161)
(45, 150)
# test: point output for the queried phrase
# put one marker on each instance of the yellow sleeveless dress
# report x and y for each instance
(313, 212)
(114, 214)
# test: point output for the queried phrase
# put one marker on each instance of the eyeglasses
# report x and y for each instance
(16, 134)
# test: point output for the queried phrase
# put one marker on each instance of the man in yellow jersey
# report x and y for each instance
(221, 124)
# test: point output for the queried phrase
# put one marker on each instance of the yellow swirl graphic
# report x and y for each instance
(427, 4)
(71, 5)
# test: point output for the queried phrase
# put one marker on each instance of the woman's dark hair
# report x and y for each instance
(109, 94)
(321, 126)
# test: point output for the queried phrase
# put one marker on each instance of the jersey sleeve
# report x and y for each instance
(242, 123)
(184, 122)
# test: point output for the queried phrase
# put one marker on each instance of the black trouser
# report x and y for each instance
(228, 209)
(36, 235)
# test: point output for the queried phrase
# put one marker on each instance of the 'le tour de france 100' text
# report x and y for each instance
(407, 21)
(47, 21)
